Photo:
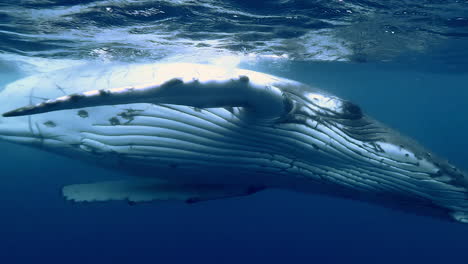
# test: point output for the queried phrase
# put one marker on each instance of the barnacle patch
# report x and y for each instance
(114, 121)
(104, 93)
(50, 124)
(76, 97)
(129, 115)
(83, 114)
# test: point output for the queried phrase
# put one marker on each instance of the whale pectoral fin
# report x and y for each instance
(257, 96)
(148, 190)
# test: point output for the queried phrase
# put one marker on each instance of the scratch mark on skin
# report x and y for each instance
(61, 89)
(108, 81)
(153, 74)
(41, 98)
(377, 147)
(126, 72)
(39, 136)
(31, 95)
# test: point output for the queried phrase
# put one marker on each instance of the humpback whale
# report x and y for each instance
(196, 132)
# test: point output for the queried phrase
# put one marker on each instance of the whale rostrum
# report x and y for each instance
(197, 132)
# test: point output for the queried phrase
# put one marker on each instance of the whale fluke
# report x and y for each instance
(256, 95)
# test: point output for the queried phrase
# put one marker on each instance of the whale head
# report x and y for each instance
(377, 160)
(230, 122)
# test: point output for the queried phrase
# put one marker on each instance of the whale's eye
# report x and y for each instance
(351, 110)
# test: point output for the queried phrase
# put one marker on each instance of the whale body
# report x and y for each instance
(195, 132)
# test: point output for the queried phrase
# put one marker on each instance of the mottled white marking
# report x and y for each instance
(327, 102)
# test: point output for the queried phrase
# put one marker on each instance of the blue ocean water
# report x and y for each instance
(404, 63)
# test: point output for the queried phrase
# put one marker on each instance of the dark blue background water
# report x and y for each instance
(404, 63)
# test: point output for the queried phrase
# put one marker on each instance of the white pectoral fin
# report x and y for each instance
(150, 190)
(257, 97)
